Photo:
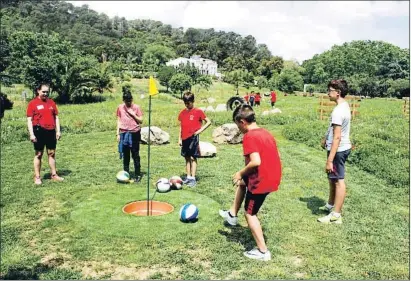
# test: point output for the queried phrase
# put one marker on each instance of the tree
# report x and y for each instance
(156, 55)
(180, 82)
(235, 77)
(204, 81)
(262, 82)
(290, 80)
(165, 74)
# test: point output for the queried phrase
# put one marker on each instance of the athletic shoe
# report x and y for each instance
(227, 218)
(325, 209)
(330, 218)
(55, 177)
(37, 180)
(138, 179)
(191, 182)
(186, 180)
(256, 254)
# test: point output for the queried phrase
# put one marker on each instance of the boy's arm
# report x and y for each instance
(180, 143)
(205, 126)
(334, 147)
(58, 132)
(255, 161)
(118, 129)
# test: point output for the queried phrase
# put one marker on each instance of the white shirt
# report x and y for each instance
(341, 116)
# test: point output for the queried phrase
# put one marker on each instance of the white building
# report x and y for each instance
(206, 66)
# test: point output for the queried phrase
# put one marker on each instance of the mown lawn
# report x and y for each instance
(76, 229)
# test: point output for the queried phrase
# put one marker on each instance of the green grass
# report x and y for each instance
(76, 230)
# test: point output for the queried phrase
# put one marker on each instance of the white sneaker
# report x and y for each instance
(256, 254)
(330, 218)
(230, 220)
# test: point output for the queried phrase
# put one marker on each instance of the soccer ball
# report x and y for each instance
(176, 182)
(163, 185)
(188, 213)
(123, 176)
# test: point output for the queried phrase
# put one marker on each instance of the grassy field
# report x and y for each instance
(76, 229)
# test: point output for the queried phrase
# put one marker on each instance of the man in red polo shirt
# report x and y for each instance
(260, 176)
(44, 129)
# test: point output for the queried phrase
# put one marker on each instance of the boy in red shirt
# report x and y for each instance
(44, 129)
(257, 99)
(260, 176)
(191, 119)
(273, 98)
(247, 97)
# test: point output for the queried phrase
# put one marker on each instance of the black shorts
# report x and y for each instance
(253, 202)
(257, 103)
(191, 147)
(339, 165)
(44, 138)
(272, 103)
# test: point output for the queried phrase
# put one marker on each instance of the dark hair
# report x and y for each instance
(245, 112)
(127, 96)
(188, 96)
(38, 86)
(340, 85)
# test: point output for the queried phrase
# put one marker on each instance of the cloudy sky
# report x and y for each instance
(291, 29)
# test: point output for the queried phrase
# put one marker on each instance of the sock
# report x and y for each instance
(336, 214)
(231, 216)
(261, 251)
(191, 178)
(329, 206)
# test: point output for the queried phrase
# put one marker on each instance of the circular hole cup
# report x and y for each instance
(155, 208)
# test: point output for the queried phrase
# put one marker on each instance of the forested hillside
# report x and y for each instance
(80, 51)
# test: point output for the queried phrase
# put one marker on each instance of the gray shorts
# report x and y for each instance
(338, 172)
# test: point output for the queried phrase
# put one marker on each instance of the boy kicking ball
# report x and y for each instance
(260, 176)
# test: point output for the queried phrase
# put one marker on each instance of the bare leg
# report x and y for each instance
(238, 199)
(257, 231)
(193, 166)
(331, 196)
(37, 163)
(188, 166)
(52, 160)
(339, 195)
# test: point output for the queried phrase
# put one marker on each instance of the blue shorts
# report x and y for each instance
(338, 172)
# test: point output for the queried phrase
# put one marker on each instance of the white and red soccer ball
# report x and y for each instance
(176, 182)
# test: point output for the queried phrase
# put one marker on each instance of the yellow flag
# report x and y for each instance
(152, 88)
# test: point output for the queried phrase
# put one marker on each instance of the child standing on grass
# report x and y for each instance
(338, 145)
(191, 120)
(129, 120)
(260, 176)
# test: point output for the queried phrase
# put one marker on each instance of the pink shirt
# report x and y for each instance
(127, 123)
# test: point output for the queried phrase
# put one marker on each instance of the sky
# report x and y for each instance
(294, 30)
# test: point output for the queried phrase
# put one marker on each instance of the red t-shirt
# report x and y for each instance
(273, 96)
(191, 121)
(127, 123)
(257, 98)
(246, 98)
(267, 176)
(43, 113)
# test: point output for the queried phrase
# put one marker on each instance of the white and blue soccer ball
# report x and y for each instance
(188, 213)
(123, 176)
(163, 185)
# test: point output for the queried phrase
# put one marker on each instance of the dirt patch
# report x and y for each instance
(297, 261)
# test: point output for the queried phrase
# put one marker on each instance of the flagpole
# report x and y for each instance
(148, 168)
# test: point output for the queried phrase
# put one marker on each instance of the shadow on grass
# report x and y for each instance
(39, 271)
(313, 203)
(240, 234)
(61, 173)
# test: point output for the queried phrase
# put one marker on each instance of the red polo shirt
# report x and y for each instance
(267, 176)
(43, 113)
(191, 121)
(273, 96)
